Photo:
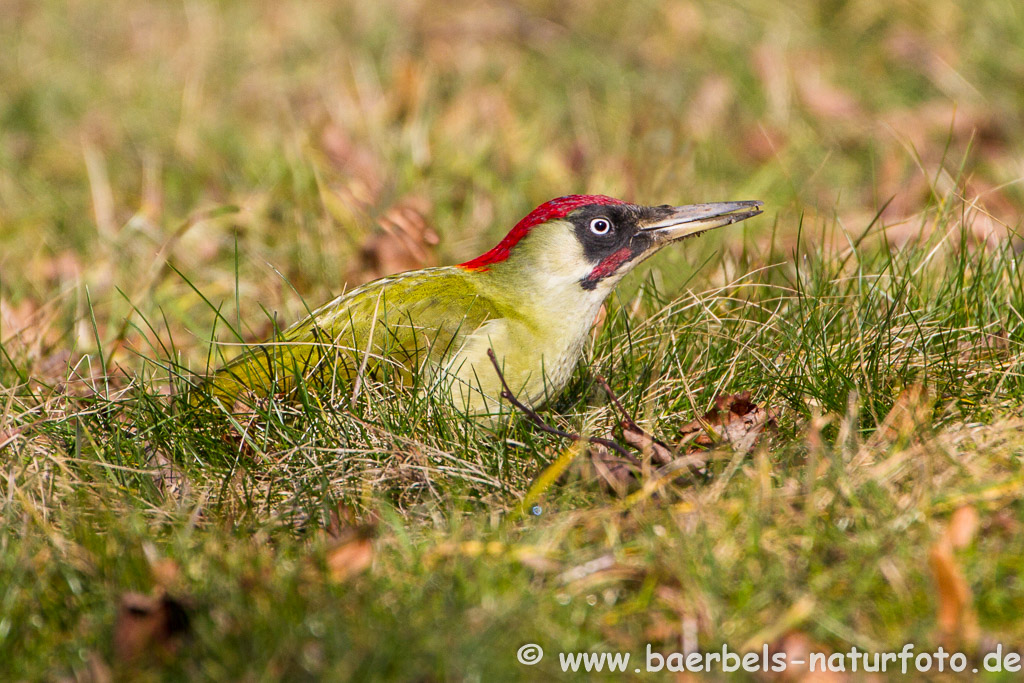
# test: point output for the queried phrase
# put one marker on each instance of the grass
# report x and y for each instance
(175, 179)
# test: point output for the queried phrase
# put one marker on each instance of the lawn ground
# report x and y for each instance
(177, 178)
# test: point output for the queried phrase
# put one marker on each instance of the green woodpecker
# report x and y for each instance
(532, 298)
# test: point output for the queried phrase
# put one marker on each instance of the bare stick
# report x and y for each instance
(635, 435)
(630, 422)
(507, 394)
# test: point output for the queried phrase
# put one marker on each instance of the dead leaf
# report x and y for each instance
(989, 346)
(823, 98)
(763, 143)
(617, 473)
(620, 474)
(148, 624)
(955, 616)
(734, 419)
(363, 168)
(638, 438)
(962, 525)
(350, 557)
(9, 435)
(714, 96)
(954, 595)
(170, 479)
(351, 548)
(406, 241)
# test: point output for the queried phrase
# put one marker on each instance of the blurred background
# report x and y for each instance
(266, 154)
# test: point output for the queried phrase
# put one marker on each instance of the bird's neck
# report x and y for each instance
(550, 300)
(541, 280)
(546, 311)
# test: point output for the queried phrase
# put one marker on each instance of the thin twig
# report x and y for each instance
(507, 394)
(637, 436)
(627, 418)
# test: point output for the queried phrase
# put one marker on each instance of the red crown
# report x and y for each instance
(548, 211)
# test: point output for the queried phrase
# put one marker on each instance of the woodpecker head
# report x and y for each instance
(592, 241)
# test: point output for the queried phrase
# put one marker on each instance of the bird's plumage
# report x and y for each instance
(532, 299)
(399, 322)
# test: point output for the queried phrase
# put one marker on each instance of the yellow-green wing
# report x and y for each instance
(386, 329)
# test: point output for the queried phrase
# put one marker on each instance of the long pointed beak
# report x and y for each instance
(684, 221)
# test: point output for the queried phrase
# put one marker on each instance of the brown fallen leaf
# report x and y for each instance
(638, 438)
(962, 525)
(351, 548)
(170, 479)
(617, 473)
(405, 241)
(362, 167)
(823, 98)
(9, 435)
(734, 419)
(149, 624)
(620, 474)
(762, 143)
(635, 435)
(992, 345)
(955, 616)
(709, 105)
(350, 557)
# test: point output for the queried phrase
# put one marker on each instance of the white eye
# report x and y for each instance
(600, 226)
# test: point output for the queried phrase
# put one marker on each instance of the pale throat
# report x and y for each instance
(550, 312)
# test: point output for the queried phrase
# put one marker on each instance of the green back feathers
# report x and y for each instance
(391, 327)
